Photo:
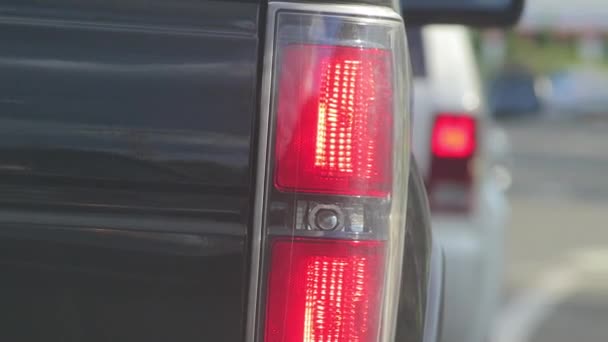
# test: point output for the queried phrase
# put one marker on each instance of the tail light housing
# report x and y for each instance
(332, 177)
(451, 176)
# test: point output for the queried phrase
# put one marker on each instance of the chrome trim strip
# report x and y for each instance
(435, 293)
(400, 192)
(260, 182)
(369, 11)
(361, 10)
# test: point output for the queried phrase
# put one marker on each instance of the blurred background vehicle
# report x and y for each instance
(461, 154)
(576, 91)
(514, 93)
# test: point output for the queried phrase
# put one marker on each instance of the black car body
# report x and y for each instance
(129, 156)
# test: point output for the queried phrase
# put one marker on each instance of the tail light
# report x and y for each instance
(453, 147)
(334, 133)
(323, 290)
(333, 175)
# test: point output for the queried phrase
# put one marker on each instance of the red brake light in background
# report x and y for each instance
(322, 290)
(334, 120)
(453, 146)
(453, 136)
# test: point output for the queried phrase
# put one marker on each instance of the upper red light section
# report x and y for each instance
(453, 136)
(324, 290)
(334, 120)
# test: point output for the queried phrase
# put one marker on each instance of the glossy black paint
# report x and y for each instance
(125, 168)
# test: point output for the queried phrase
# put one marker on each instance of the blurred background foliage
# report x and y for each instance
(547, 52)
(543, 52)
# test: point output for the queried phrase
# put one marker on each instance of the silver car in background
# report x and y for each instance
(458, 151)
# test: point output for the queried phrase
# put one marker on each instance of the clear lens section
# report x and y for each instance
(333, 30)
(343, 218)
(336, 178)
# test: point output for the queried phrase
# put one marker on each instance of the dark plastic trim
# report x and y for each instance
(476, 18)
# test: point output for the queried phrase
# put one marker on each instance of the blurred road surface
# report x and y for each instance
(557, 244)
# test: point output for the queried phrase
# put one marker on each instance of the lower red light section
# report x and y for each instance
(324, 290)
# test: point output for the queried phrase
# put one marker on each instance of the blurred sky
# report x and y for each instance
(578, 15)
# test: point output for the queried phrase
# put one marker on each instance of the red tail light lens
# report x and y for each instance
(324, 290)
(334, 124)
(453, 145)
(453, 136)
